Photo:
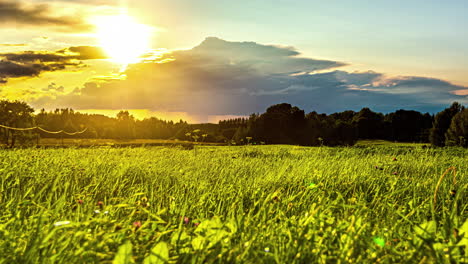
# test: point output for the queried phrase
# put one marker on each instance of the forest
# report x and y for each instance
(280, 124)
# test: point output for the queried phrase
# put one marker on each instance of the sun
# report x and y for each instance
(122, 38)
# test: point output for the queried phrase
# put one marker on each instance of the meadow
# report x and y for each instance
(242, 204)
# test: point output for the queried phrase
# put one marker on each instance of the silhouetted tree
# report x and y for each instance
(409, 126)
(125, 125)
(457, 134)
(369, 124)
(442, 123)
(15, 114)
(283, 124)
(313, 129)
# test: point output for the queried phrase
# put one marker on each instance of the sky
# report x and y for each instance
(206, 60)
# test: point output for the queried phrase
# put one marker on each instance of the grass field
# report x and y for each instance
(86, 142)
(249, 204)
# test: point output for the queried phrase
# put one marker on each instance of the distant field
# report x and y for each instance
(71, 142)
(246, 204)
(389, 143)
(56, 142)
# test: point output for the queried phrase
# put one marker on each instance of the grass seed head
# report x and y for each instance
(61, 223)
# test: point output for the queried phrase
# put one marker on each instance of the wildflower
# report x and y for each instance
(196, 224)
(61, 223)
(395, 173)
(97, 211)
(186, 220)
(80, 201)
(100, 204)
(267, 249)
(137, 224)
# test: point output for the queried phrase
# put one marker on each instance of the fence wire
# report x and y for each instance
(44, 130)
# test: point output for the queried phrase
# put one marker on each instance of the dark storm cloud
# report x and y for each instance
(32, 56)
(15, 13)
(33, 63)
(11, 69)
(238, 78)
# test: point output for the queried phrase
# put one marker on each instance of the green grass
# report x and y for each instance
(263, 204)
(380, 142)
(87, 142)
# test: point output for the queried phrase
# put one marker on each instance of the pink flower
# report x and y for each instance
(137, 224)
(186, 220)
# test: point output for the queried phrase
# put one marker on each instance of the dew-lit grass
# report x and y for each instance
(256, 204)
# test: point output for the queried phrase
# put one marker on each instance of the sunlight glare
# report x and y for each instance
(123, 39)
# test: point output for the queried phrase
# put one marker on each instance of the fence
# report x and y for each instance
(61, 132)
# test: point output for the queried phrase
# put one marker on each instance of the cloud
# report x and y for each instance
(89, 2)
(238, 78)
(54, 88)
(85, 52)
(33, 63)
(39, 15)
(263, 59)
(13, 45)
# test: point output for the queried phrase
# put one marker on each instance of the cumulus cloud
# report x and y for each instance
(33, 63)
(34, 15)
(238, 78)
(264, 59)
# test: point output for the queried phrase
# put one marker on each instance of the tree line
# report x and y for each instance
(285, 124)
(280, 124)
